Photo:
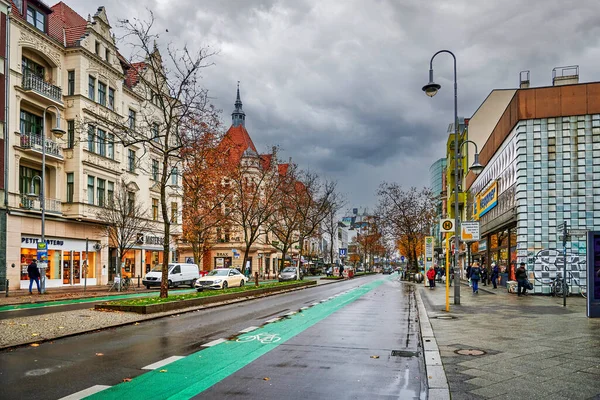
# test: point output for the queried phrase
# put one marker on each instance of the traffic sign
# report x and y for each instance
(402, 258)
(447, 225)
(578, 232)
(42, 252)
(343, 252)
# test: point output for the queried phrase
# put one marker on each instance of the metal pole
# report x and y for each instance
(448, 277)
(565, 287)
(456, 228)
(43, 199)
(85, 266)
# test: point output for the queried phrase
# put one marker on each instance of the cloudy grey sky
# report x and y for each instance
(337, 83)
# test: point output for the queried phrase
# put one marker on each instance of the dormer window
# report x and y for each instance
(36, 18)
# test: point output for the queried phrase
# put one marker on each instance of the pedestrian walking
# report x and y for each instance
(521, 276)
(484, 275)
(475, 277)
(34, 275)
(469, 275)
(431, 277)
(495, 275)
(341, 271)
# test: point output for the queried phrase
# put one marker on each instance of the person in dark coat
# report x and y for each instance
(475, 276)
(521, 276)
(484, 275)
(495, 275)
(34, 275)
(469, 274)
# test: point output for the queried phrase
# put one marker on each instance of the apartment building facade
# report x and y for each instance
(60, 61)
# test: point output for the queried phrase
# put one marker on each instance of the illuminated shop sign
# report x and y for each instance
(488, 199)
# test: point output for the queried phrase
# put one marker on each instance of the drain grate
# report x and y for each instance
(470, 352)
(403, 353)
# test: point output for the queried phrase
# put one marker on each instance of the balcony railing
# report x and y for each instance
(52, 205)
(38, 85)
(33, 141)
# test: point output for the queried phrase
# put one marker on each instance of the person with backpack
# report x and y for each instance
(475, 276)
(34, 276)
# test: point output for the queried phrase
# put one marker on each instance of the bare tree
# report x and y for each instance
(330, 223)
(255, 183)
(170, 104)
(408, 215)
(124, 219)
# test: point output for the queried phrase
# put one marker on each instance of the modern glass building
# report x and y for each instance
(436, 176)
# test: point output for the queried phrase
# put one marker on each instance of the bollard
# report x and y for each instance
(139, 281)
(7, 287)
(256, 278)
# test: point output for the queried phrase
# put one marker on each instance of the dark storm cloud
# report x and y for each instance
(337, 84)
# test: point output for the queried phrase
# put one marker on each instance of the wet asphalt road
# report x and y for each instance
(331, 359)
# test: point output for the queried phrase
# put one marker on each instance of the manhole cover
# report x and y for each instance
(470, 352)
(445, 317)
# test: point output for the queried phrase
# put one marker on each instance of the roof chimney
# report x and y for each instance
(524, 79)
(565, 75)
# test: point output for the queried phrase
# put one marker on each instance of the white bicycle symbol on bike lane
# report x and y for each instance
(264, 338)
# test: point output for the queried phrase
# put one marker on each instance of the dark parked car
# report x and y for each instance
(289, 274)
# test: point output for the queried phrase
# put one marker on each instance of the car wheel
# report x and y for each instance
(199, 290)
(169, 284)
(148, 287)
(193, 284)
(225, 285)
(242, 283)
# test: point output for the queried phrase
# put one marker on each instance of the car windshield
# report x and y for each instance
(157, 269)
(218, 272)
(289, 269)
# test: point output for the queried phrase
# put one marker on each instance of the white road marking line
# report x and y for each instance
(291, 313)
(272, 320)
(304, 308)
(249, 329)
(314, 304)
(162, 363)
(214, 342)
(85, 392)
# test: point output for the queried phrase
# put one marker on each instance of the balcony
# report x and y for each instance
(53, 206)
(37, 85)
(33, 143)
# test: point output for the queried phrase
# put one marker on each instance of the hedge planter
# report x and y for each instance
(200, 301)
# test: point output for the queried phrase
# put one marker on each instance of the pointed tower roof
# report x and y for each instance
(238, 117)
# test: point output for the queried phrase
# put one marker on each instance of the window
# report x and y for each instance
(101, 191)
(107, 55)
(70, 134)
(174, 176)
(70, 186)
(102, 93)
(111, 98)
(19, 5)
(97, 47)
(30, 123)
(131, 161)
(92, 138)
(174, 213)
(101, 135)
(36, 18)
(131, 119)
(71, 83)
(110, 146)
(154, 209)
(29, 67)
(92, 88)
(155, 170)
(110, 193)
(26, 177)
(90, 190)
(155, 136)
(130, 202)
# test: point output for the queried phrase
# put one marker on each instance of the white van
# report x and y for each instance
(179, 274)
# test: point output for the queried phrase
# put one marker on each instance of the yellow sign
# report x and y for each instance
(447, 225)
(487, 200)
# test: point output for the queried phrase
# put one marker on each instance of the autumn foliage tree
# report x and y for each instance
(408, 216)
(207, 192)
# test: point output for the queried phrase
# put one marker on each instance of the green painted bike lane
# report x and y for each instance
(186, 378)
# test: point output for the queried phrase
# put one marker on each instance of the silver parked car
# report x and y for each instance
(289, 274)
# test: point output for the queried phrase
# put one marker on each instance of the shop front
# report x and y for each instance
(67, 261)
(147, 255)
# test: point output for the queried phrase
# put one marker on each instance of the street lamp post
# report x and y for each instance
(431, 90)
(58, 132)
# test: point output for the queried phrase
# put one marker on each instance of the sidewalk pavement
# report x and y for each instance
(512, 347)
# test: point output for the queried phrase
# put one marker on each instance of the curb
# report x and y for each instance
(150, 317)
(437, 382)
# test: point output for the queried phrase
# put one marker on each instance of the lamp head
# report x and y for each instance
(431, 88)
(476, 167)
(32, 195)
(57, 130)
